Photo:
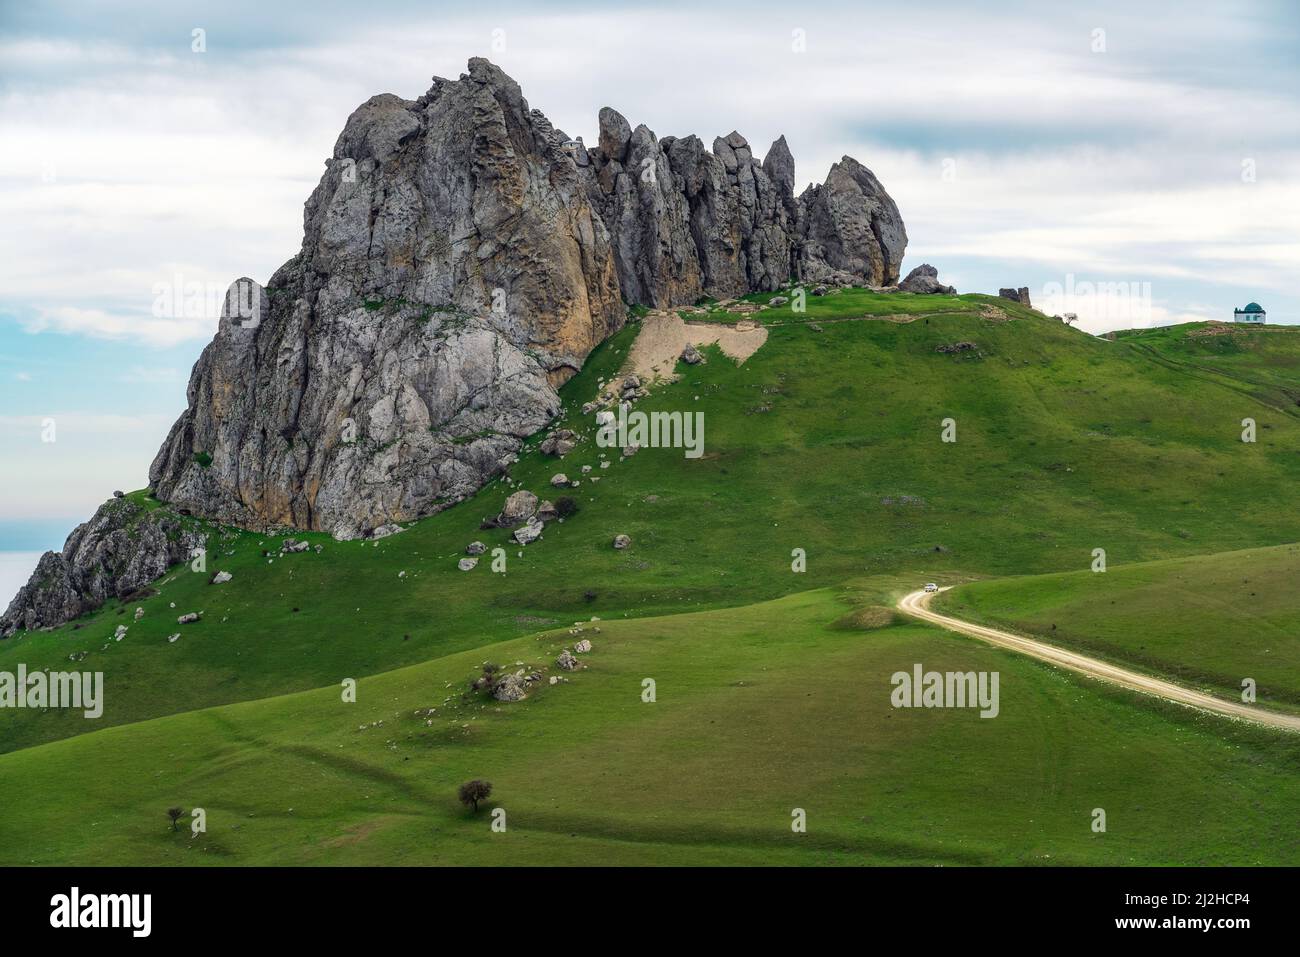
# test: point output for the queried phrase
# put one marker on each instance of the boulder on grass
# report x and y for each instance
(560, 442)
(1020, 295)
(519, 507)
(530, 532)
(510, 687)
(924, 279)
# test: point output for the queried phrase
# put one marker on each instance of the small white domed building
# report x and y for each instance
(1253, 312)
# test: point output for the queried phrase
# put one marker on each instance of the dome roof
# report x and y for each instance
(1253, 307)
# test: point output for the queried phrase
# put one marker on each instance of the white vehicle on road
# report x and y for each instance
(931, 586)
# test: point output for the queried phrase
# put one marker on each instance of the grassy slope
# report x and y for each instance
(1208, 621)
(855, 303)
(1066, 443)
(760, 710)
(1262, 361)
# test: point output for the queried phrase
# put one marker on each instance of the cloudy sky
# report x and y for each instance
(1136, 163)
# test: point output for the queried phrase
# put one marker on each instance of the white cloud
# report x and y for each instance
(100, 324)
(131, 163)
(1126, 163)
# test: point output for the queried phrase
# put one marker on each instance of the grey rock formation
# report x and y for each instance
(687, 222)
(452, 275)
(559, 443)
(529, 532)
(1020, 295)
(925, 279)
(461, 257)
(629, 181)
(120, 550)
(519, 507)
(778, 164)
(851, 225)
(510, 687)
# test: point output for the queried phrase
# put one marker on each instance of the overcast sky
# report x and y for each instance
(1147, 150)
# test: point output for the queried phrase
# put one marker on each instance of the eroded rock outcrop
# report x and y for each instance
(123, 548)
(1020, 295)
(460, 259)
(924, 279)
(687, 221)
(452, 275)
(851, 225)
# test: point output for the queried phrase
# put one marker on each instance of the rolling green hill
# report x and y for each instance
(1208, 621)
(773, 685)
(759, 711)
(824, 440)
(1261, 361)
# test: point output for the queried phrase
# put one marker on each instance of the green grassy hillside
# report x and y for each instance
(824, 440)
(772, 687)
(759, 711)
(1208, 621)
(1261, 361)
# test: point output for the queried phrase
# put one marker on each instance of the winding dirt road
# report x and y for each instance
(917, 605)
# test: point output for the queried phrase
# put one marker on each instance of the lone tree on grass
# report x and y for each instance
(175, 814)
(471, 792)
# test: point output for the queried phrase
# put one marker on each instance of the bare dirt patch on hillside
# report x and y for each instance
(664, 335)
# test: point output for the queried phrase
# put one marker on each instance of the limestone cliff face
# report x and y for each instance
(688, 222)
(119, 551)
(452, 275)
(850, 224)
(460, 260)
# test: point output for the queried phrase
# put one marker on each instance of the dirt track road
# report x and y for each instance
(917, 605)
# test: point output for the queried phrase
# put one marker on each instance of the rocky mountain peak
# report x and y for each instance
(778, 164)
(461, 257)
